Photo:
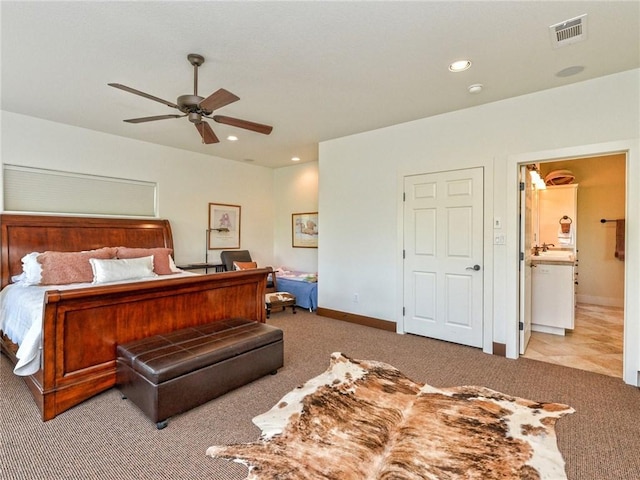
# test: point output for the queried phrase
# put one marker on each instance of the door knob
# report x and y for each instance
(475, 267)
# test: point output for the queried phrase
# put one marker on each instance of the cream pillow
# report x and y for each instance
(114, 270)
(31, 269)
(172, 266)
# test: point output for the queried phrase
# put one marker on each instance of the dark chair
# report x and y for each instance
(229, 256)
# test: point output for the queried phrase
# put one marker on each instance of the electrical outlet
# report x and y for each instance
(356, 298)
(499, 239)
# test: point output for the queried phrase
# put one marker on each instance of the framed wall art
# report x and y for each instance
(224, 226)
(304, 230)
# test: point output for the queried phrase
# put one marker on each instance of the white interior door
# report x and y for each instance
(443, 243)
(526, 229)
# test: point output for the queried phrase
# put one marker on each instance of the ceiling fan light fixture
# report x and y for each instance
(459, 66)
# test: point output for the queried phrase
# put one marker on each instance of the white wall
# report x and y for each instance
(295, 191)
(360, 190)
(359, 194)
(187, 181)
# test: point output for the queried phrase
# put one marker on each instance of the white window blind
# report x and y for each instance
(37, 190)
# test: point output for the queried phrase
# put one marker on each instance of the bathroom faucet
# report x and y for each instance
(545, 246)
(536, 250)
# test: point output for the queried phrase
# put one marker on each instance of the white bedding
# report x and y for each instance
(21, 310)
(297, 276)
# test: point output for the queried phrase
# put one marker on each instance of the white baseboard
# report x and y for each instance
(547, 329)
(603, 301)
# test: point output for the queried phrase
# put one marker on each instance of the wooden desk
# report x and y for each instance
(216, 267)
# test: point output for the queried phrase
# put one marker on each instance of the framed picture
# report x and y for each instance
(224, 226)
(304, 230)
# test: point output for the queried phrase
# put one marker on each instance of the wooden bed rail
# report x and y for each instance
(83, 327)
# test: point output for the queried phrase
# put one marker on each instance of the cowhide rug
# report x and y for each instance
(366, 420)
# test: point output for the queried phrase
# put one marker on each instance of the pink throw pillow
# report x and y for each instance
(62, 268)
(161, 264)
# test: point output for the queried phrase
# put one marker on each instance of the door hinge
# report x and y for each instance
(404, 197)
(521, 256)
(403, 310)
(522, 186)
(404, 254)
(521, 326)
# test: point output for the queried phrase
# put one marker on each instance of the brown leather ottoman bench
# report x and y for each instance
(169, 374)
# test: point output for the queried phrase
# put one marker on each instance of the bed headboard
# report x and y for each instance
(22, 234)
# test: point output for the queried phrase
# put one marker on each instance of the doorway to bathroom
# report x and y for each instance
(595, 343)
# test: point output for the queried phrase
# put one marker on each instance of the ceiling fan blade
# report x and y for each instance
(236, 122)
(151, 119)
(218, 99)
(142, 94)
(205, 131)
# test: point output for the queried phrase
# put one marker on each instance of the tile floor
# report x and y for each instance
(595, 344)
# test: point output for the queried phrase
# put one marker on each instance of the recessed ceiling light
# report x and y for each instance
(232, 138)
(295, 159)
(475, 88)
(460, 65)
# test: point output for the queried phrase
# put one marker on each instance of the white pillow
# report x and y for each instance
(31, 269)
(19, 278)
(172, 266)
(114, 270)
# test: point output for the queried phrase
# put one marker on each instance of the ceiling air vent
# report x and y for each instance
(570, 31)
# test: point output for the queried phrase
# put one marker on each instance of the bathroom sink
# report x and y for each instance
(556, 256)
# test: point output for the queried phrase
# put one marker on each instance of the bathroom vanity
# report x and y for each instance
(553, 291)
(553, 271)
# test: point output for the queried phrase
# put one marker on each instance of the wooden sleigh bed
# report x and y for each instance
(82, 326)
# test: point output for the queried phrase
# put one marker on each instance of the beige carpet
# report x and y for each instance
(108, 438)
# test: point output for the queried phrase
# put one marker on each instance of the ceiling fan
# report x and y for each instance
(197, 108)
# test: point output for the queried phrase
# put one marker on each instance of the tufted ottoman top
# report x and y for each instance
(162, 357)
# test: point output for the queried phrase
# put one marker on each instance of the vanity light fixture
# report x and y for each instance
(536, 178)
(232, 138)
(295, 159)
(460, 66)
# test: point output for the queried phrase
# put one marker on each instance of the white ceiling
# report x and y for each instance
(314, 70)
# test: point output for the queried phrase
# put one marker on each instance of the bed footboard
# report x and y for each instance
(83, 327)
